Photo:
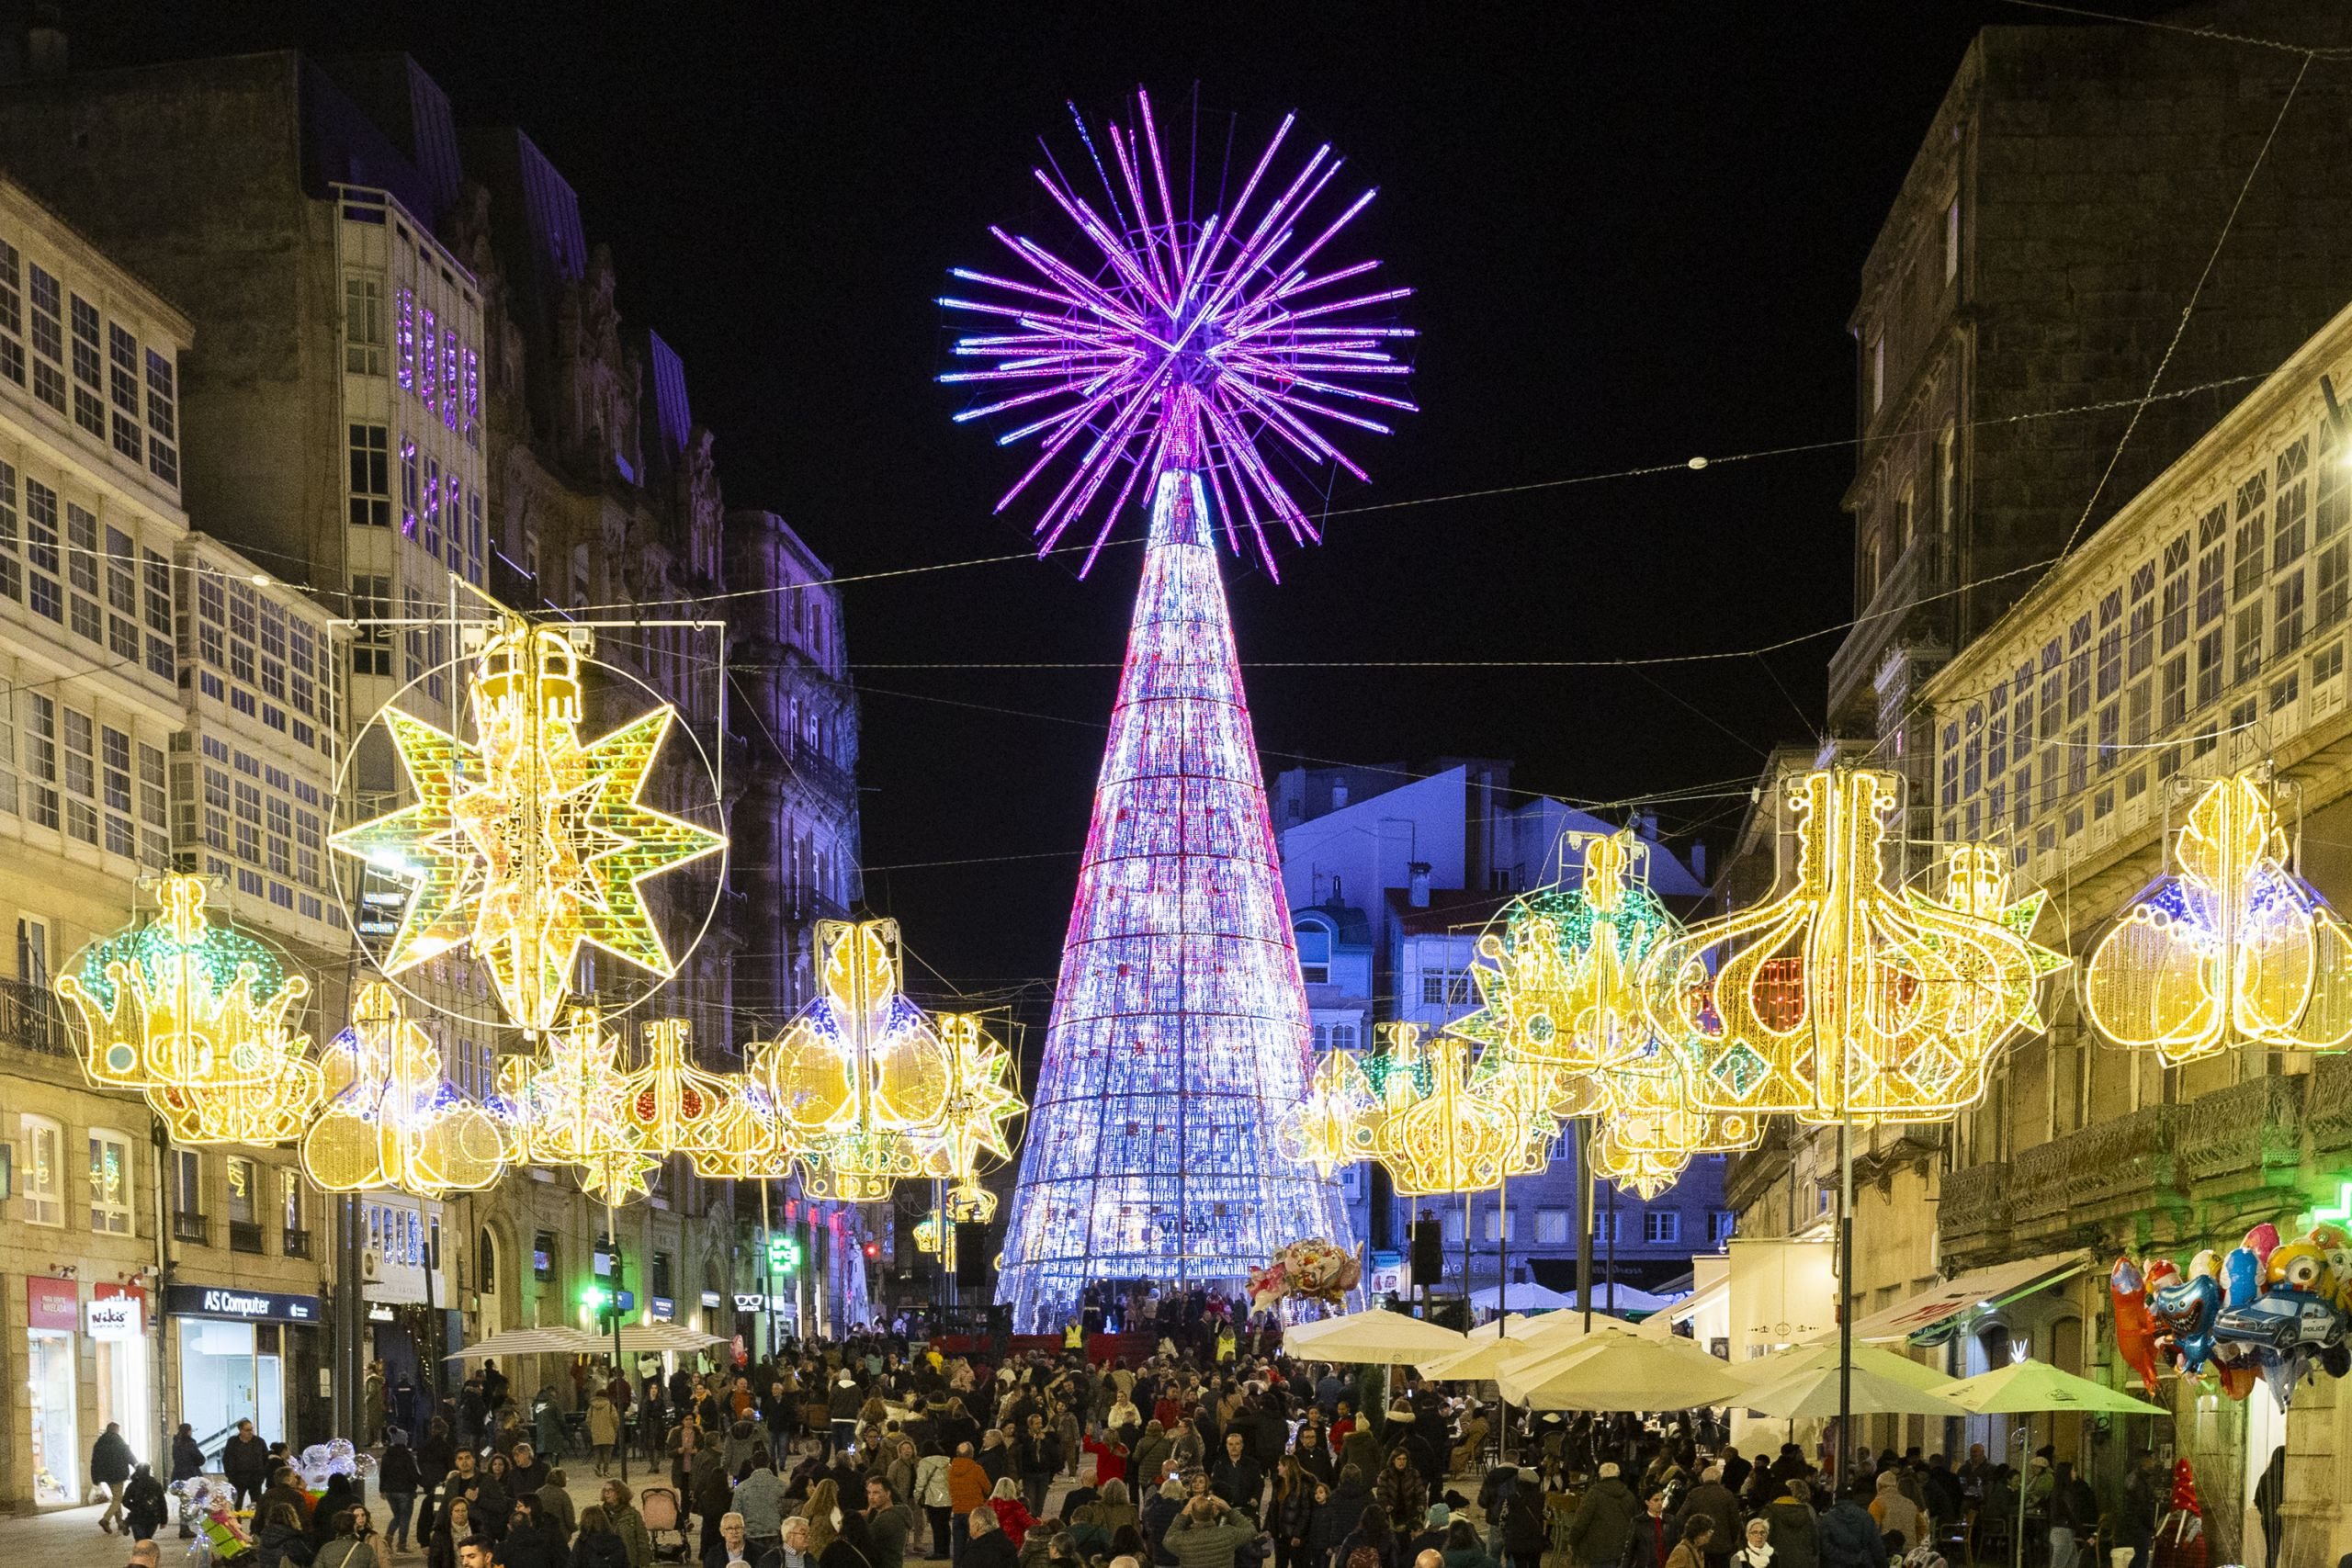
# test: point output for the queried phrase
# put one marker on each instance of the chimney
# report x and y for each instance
(1339, 794)
(1419, 896)
(1338, 899)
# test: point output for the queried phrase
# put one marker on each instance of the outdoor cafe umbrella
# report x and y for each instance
(521, 1342)
(1489, 1349)
(1620, 1372)
(2021, 1388)
(1377, 1337)
(1812, 1394)
(1783, 1364)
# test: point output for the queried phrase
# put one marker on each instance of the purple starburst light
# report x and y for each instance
(1181, 343)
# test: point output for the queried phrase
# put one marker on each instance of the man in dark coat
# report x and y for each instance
(245, 1459)
(1236, 1478)
(1603, 1526)
(1712, 1499)
(1849, 1537)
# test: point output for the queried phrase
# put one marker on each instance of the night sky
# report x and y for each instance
(1636, 232)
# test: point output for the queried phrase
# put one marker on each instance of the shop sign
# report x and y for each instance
(751, 1303)
(710, 1298)
(52, 1304)
(246, 1306)
(115, 1317)
(1388, 1277)
(665, 1308)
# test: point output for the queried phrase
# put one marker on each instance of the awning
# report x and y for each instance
(1666, 1321)
(1920, 1318)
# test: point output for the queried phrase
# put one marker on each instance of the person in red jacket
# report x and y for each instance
(1012, 1516)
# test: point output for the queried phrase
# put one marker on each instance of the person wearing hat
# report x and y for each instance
(1433, 1536)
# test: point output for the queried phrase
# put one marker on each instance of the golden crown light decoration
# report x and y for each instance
(391, 1120)
(866, 1091)
(1563, 1009)
(2231, 949)
(669, 1106)
(1334, 1124)
(1441, 1126)
(200, 1019)
(1844, 998)
(528, 842)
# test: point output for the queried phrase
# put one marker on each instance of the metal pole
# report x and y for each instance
(1846, 1291)
(1502, 1304)
(1584, 1218)
(767, 1269)
(1466, 1260)
(1613, 1246)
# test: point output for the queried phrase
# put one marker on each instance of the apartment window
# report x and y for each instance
(1449, 1227)
(122, 390)
(1951, 240)
(242, 1178)
(2176, 593)
(48, 337)
(1606, 1226)
(2284, 690)
(371, 640)
(89, 400)
(81, 777)
(1495, 1223)
(1445, 987)
(1314, 955)
(42, 1178)
(2249, 642)
(1947, 480)
(1551, 1227)
(2333, 574)
(2213, 565)
(404, 336)
(371, 478)
(162, 420)
(2209, 666)
(432, 505)
(114, 780)
(428, 357)
(2135, 716)
(2328, 663)
(2250, 556)
(109, 1182)
(290, 1216)
(1720, 1225)
(2139, 640)
(12, 314)
(363, 325)
(1878, 372)
(40, 759)
(1662, 1225)
(473, 398)
(2287, 613)
(2110, 645)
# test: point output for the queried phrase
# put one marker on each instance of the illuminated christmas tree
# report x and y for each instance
(1180, 1039)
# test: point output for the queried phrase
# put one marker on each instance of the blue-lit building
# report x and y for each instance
(1393, 872)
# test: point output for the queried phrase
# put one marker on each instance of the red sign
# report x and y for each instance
(52, 1304)
(136, 1292)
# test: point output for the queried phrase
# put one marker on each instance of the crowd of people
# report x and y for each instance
(874, 1452)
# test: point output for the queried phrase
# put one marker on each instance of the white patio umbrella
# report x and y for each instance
(2023, 1388)
(521, 1342)
(1786, 1363)
(1814, 1394)
(1489, 1350)
(1620, 1372)
(1525, 1296)
(1377, 1337)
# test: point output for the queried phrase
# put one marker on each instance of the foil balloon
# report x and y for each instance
(2135, 1331)
(2241, 1277)
(2262, 1240)
(2185, 1310)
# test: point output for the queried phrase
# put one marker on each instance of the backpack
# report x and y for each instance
(1364, 1557)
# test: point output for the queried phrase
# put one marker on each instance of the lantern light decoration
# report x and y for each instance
(200, 1018)
(2231, 948)
(1844, 998)
(528, 842)
(1170, 362)
(866, 1090)
(391, 1120)
(669, 1106)
(1439, 1130)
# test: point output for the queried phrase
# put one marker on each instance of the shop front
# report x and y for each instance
(236, 1350)
(114, 1320)
(52, 1321)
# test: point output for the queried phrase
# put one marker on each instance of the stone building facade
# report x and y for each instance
(407, 380)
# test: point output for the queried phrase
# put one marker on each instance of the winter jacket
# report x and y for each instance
(636, 1539)
(187, 1458)
(931, 1489)
(761, 1500)
(599, 1548)
(1240, 1481)
(1405, 1493)
(1523, 1533)
(110, 1459)
(968, 1483)
(558, 1515)
(245, 1461)
(398, 1475)
(527, 1548)
(281, 1545)
(604, 1423)
(989, 1550)
(144, 1504)
(1653, 1541)
(1323, 1532)
(1713, 1501)
(1195, 1544)
(1851, 1538)
(888, 1529)
(707, 1482)
(1158, 1513)
(1893, 1513)
(1013, 1517)
(1603, 1526)
(1795, 1533)
(744, 1438)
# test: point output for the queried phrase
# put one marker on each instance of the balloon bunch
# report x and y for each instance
(1313, 1269)
(2269, 1307)
(209, 1507)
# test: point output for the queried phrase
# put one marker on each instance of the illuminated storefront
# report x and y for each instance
(52, 1317)
(233, 1350)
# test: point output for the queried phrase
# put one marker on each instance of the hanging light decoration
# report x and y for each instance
(528, 842)
(200, 1019)
(669, 1106)
(391, 1120)
(2231, 948)
(867, 1091)
(1334, 1124)
(1440, 1126)
(565, 1100)
(1844, 997)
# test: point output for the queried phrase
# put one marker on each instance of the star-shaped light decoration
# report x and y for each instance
(528, 842)
(565, 1101)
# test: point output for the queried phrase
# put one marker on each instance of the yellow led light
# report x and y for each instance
(1843, 998)
(200, 1018)
(391, 1118)
(1332, 1126)
(528, 842)
(1438, 1127)
(566, 1101)
(669, 1105)
(2232, 948)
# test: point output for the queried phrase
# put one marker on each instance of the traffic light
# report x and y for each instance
(873, 1249)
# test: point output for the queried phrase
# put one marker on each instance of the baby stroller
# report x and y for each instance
(659, 1507)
